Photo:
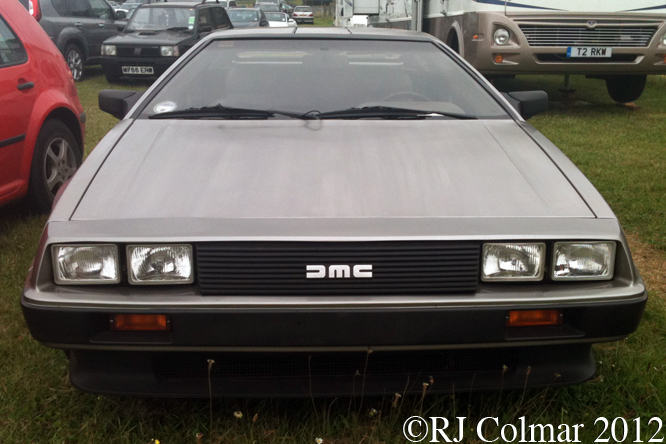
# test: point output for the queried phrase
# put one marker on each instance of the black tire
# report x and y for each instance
(56, 158)
(112, 78)
(75, 60)
(624, 89)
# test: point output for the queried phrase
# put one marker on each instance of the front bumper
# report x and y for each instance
(304, 20)
(299, 351)
(113, 66)
(518, 57)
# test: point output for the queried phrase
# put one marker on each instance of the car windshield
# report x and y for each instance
(158, 19)
(276, 17)
(239, 15)
(322, 75)
(302, 9)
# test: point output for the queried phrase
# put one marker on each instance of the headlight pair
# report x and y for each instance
(165, 51)
(526, 261)
(100, 264)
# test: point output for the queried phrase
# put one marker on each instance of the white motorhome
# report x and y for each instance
(620, 41)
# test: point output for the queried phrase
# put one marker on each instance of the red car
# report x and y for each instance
(42, 123)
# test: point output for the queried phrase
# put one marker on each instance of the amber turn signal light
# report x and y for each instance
(534, 318)
(499, 58)
(140, 322)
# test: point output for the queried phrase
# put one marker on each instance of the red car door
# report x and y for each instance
(18, 93)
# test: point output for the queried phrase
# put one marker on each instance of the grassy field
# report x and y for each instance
(621, 151)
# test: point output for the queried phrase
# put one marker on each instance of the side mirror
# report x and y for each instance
(528, 103)
(117, 102)
(121, 15)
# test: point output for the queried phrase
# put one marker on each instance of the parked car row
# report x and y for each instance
(157, 34)
(84, 30)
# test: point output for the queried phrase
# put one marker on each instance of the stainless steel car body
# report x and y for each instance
(160, 181)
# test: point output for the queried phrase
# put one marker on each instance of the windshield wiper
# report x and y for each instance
(178, 28)
(221, 111)
(388, 112)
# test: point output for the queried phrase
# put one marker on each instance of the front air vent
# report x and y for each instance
(279, 268)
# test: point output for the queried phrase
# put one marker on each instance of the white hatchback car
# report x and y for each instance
(280, 20)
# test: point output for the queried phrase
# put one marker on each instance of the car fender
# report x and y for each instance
(72, 35)
(46, 103)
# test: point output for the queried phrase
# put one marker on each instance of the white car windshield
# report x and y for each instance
(239, 15)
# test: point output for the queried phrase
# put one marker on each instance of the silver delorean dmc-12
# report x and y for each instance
(395, 220)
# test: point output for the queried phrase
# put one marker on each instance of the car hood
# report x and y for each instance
(328, 169)
(150, 38)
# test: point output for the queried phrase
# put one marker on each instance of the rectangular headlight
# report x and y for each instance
(583, 260)
(85, 264)
(513, 262)
(160, 264)
(169, 51)
(109, 50)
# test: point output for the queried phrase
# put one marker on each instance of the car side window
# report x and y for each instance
(205, 20)
(79, 8)
(220, 19)
(61, 7)
(101, 9)
(12, 51)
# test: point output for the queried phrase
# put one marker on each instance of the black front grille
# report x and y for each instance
(602, 35)
(138, 51)
(279, 268)
(382, 363)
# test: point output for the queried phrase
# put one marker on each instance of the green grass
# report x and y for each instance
(621, 151)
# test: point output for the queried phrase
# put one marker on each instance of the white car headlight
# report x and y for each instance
(583, 260)
(85, 264)
(501, 36)
(663, 39)
(160, 264)
(109, 50)
(513, 262)
(169, 51)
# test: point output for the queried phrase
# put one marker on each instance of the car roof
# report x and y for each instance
(179, 4)
(356, 33)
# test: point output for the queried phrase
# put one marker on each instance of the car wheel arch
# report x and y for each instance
(454, 40)
(47, 107)
(72, 36)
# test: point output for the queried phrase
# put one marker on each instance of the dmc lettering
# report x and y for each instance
(338, 271)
